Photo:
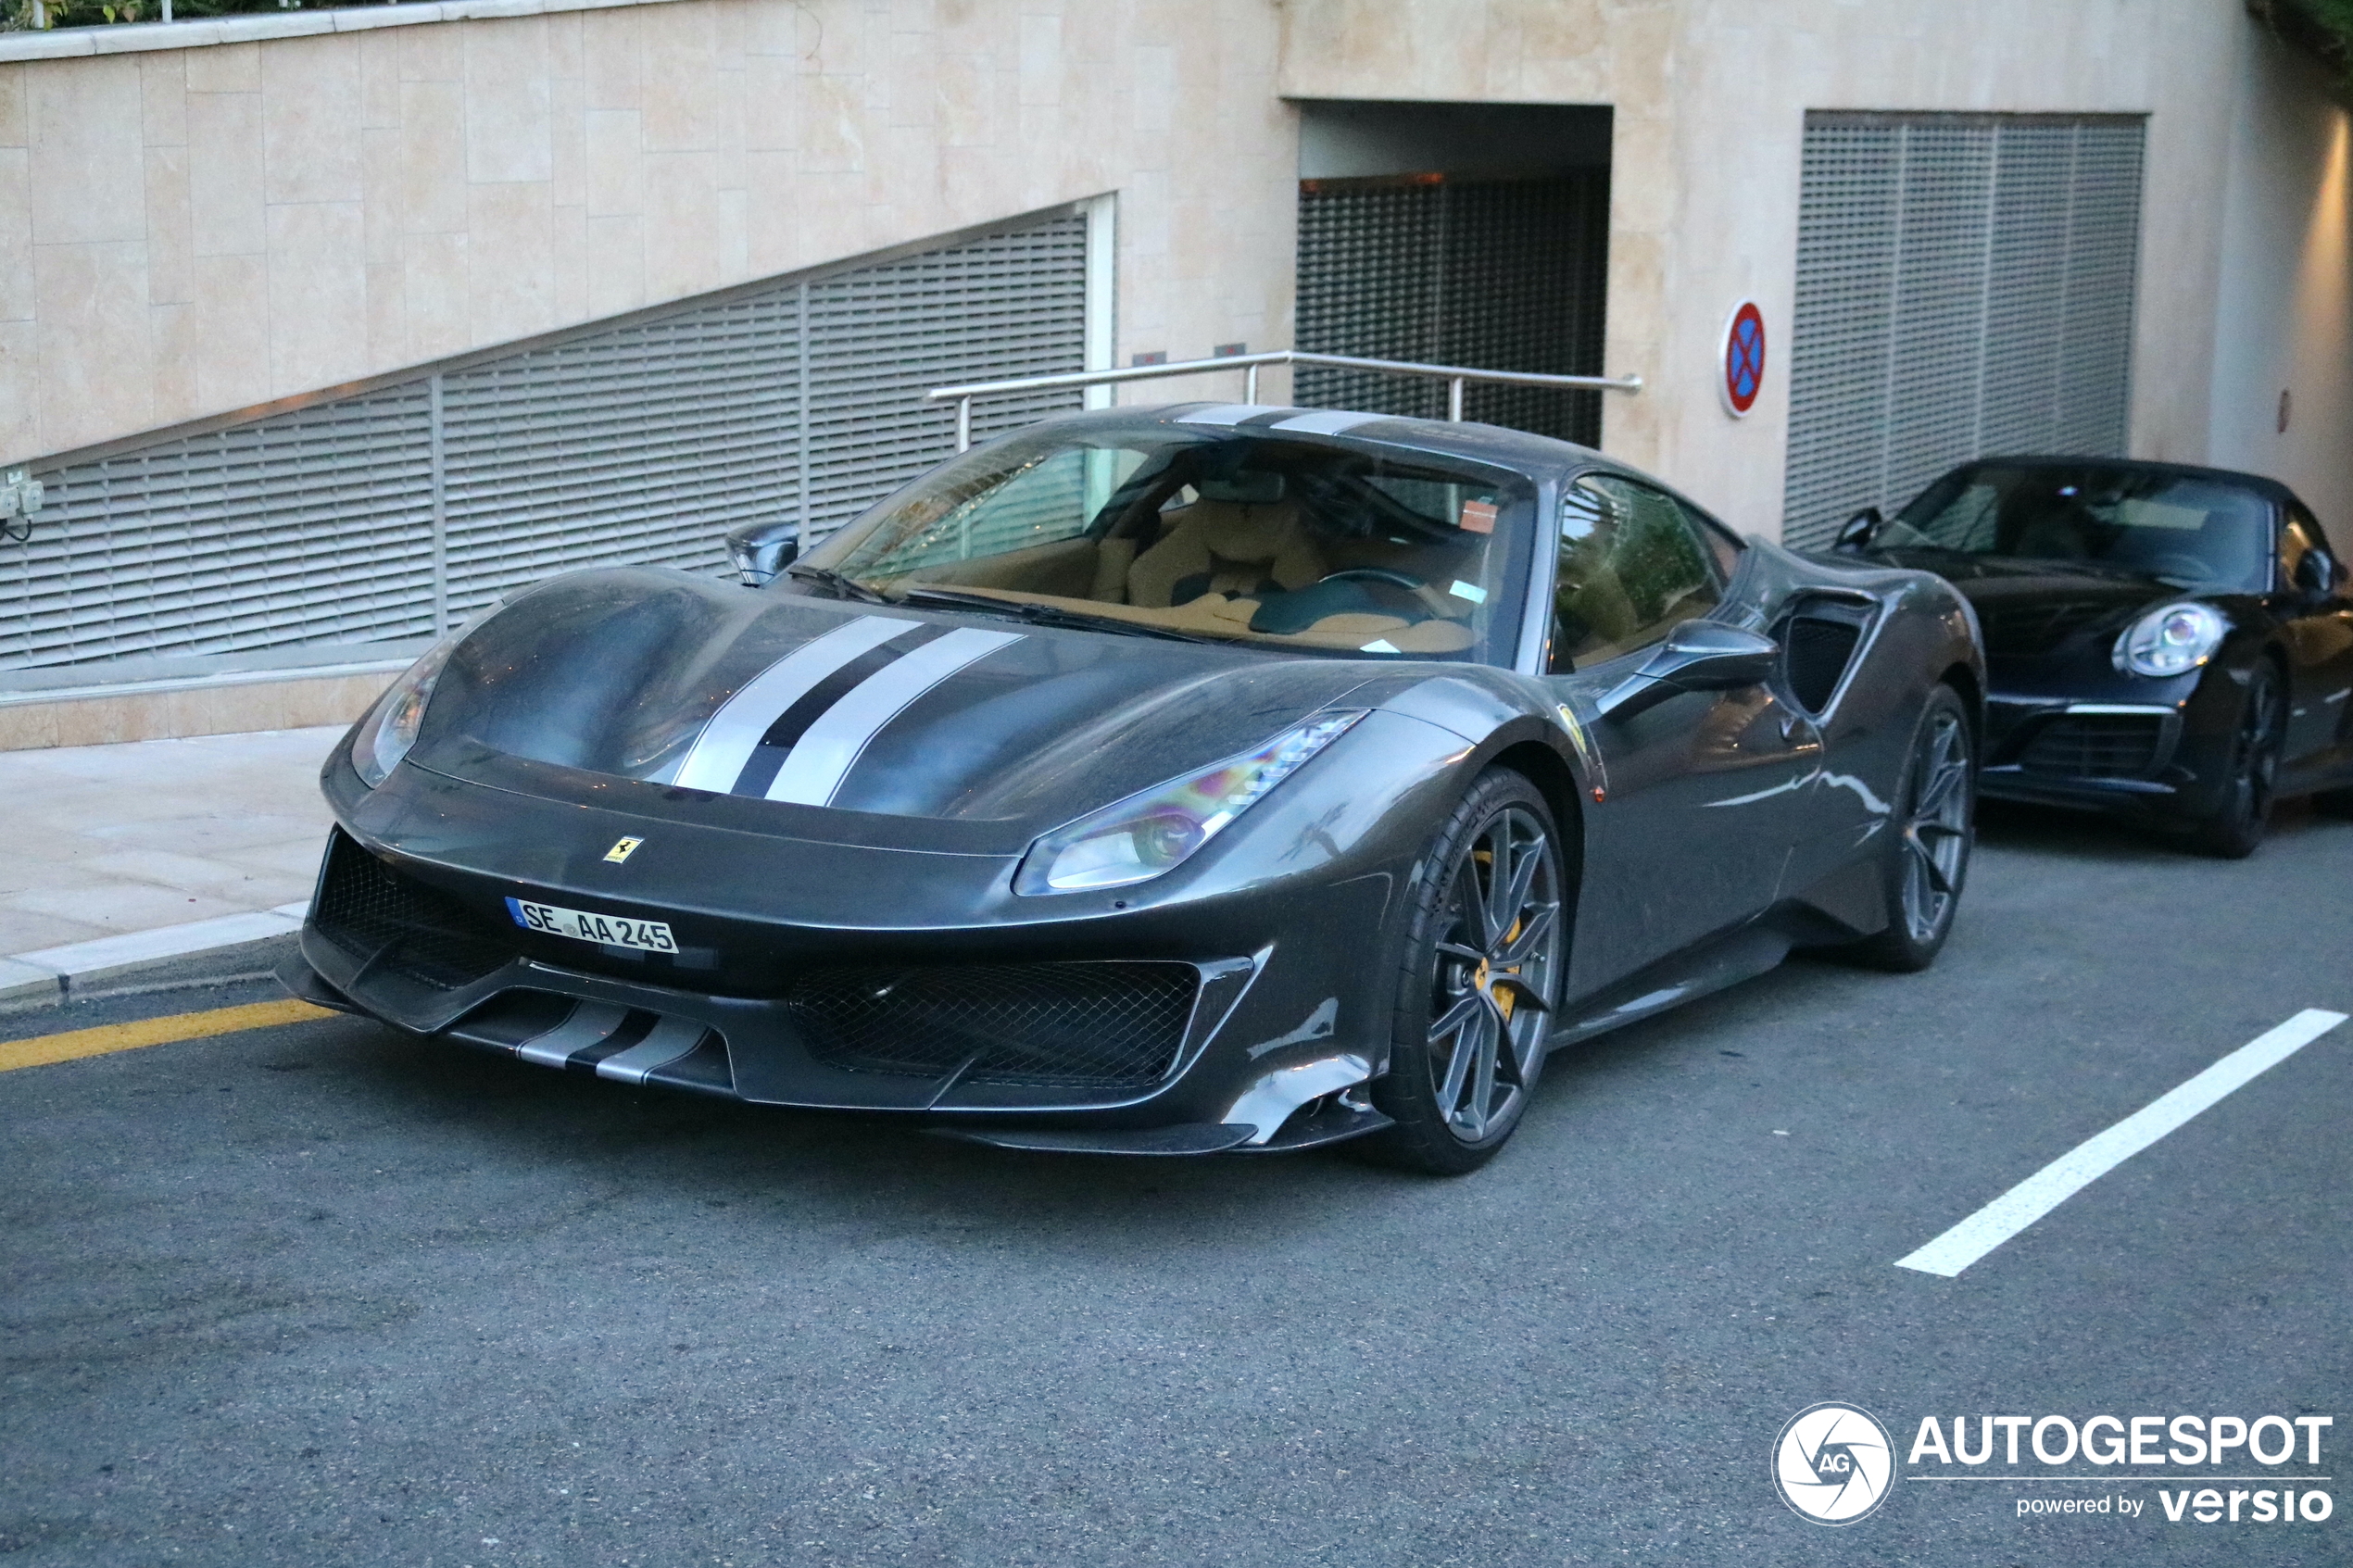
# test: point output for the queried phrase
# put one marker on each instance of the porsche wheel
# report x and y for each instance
(1928, 856)
(2235, 830)
(1482, 970)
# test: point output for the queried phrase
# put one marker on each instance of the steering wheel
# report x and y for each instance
(1374, 574)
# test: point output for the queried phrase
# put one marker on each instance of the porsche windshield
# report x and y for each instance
(2183, 528)
(1206, 532)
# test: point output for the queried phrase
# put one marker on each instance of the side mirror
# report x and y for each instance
(1698, 655)
(1859, 530)
(2315, 575)
(762, 549)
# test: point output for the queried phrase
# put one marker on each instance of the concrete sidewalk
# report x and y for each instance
(123, 858)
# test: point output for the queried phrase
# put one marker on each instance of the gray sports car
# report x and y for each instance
(1159, 782)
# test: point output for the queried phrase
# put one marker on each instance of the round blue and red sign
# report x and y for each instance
(1743, 375)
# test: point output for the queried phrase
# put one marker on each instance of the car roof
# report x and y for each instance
(2268, 487)
(1522, 451)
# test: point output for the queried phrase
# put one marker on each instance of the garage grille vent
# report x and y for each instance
(1508, 274)
(1964, 288)
(399, 512)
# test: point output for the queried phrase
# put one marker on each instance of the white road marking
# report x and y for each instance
(2093, 1158)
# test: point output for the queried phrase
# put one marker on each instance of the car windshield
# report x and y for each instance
(1319, 543)
(2180, 528)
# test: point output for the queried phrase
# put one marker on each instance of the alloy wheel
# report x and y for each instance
(1496, 976)
(1936, 829)
(2255, 760)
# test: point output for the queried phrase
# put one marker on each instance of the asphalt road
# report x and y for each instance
(313, 1294)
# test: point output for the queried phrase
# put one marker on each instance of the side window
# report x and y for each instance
(1633, 566)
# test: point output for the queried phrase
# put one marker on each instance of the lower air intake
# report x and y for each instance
(2095, 745)
(370, 910)
(1116, 1026)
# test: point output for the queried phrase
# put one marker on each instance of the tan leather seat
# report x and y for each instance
(1226, 547)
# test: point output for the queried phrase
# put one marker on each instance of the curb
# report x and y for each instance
(201, 952)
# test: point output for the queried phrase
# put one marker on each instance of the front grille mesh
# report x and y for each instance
(365, 908)
(2095, 745)
(1098, 1025)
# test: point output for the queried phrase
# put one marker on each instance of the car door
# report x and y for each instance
(2320, 644)
(1702, 794)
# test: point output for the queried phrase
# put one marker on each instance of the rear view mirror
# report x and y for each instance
(1698, 655)
(1860, 530)
(759, 551)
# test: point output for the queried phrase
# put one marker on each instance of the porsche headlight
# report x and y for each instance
(2169, 640)
(1138, 838)
(392, 728)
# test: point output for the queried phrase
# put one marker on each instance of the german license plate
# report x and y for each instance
(612, 931)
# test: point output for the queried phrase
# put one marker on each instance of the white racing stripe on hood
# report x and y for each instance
(719, 754)
(831, 746)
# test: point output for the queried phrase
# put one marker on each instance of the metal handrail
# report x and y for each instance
(1454, 376)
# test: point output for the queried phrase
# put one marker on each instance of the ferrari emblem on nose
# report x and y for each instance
(621, 849)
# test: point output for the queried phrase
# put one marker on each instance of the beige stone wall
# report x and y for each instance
(1710, 98)
(189, 709)
(2286, 287)
(184, 231)
(189, 231)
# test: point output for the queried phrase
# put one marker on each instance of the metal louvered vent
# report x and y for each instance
(398, 512)
(1964, 288)
(1505, 274)
(310, 526)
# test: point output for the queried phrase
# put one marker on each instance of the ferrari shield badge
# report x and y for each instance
(621, 849)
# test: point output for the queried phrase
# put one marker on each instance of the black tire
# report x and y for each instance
(2238, 825)
(1475, 1002)
(1926, 862)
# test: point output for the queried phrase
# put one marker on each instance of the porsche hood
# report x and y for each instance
(667, 679)
(2029, 610)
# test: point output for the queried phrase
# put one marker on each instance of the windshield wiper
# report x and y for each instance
(843, 587)
(1047, 615)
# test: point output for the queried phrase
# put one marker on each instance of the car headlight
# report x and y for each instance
(392, 727)
(1136, 839)
(2169, 640)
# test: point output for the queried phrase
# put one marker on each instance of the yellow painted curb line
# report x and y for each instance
(42, 1049)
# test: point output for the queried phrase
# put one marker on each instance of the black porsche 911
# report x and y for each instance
(1219, 777)
(2174, 644)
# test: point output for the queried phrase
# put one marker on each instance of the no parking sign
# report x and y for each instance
(1744, 368)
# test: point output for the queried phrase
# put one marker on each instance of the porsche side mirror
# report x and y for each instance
(1698, 655)
(2315, 575)
(1858, 530)
(759, 551)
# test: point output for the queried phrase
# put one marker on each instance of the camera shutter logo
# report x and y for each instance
(1834, 1463)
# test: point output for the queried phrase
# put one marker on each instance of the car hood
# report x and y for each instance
(667, 679)
(2031, 610)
